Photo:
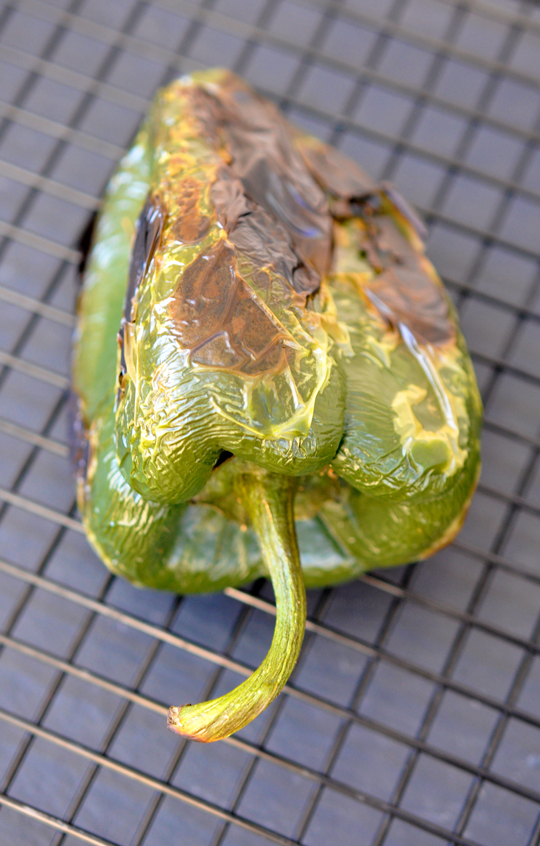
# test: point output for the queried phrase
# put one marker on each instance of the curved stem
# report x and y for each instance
(268, 499)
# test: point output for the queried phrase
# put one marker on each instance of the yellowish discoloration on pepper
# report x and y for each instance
(427, 447)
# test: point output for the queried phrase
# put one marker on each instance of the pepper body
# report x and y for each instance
(254, 307)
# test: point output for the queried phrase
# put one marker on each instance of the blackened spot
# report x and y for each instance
(84, 244)
(366, 207)
(149, 229)
(123, 368)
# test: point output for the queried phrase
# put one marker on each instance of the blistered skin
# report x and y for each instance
(271, 303)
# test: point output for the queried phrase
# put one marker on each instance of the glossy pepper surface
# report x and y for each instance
(270, 378)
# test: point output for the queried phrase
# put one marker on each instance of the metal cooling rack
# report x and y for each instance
(413, 717)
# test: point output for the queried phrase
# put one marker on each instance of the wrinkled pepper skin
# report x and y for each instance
(260, 333)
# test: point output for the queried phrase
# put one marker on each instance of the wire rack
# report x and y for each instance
(413, 716)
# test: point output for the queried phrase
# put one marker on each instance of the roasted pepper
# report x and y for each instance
(267, 371)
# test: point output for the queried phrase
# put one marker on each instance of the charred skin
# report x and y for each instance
(263, 355)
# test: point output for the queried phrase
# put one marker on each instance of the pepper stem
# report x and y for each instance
(268, 499)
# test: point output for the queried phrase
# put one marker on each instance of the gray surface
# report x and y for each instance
(413, 718)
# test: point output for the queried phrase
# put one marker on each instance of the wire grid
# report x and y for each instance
(413, 716)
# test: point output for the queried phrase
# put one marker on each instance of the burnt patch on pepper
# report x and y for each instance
(192, 223)
(333, 171)
(147, 237)
(263, 173)
(219, 320)
(402, 291)
(263, 241)
(84, 244)
(409, 297)
(405, 209)
(123, 367)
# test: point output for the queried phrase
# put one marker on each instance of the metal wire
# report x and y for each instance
(389, 812)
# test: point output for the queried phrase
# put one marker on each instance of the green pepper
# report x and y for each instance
(270, 378)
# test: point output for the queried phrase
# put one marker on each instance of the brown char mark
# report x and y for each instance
(84, 244)
(408, 296)
(147, 237)
(264, 173)
(335, 173)
(402, 291)
(405, 209)
(191, 224)
(219, 320)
